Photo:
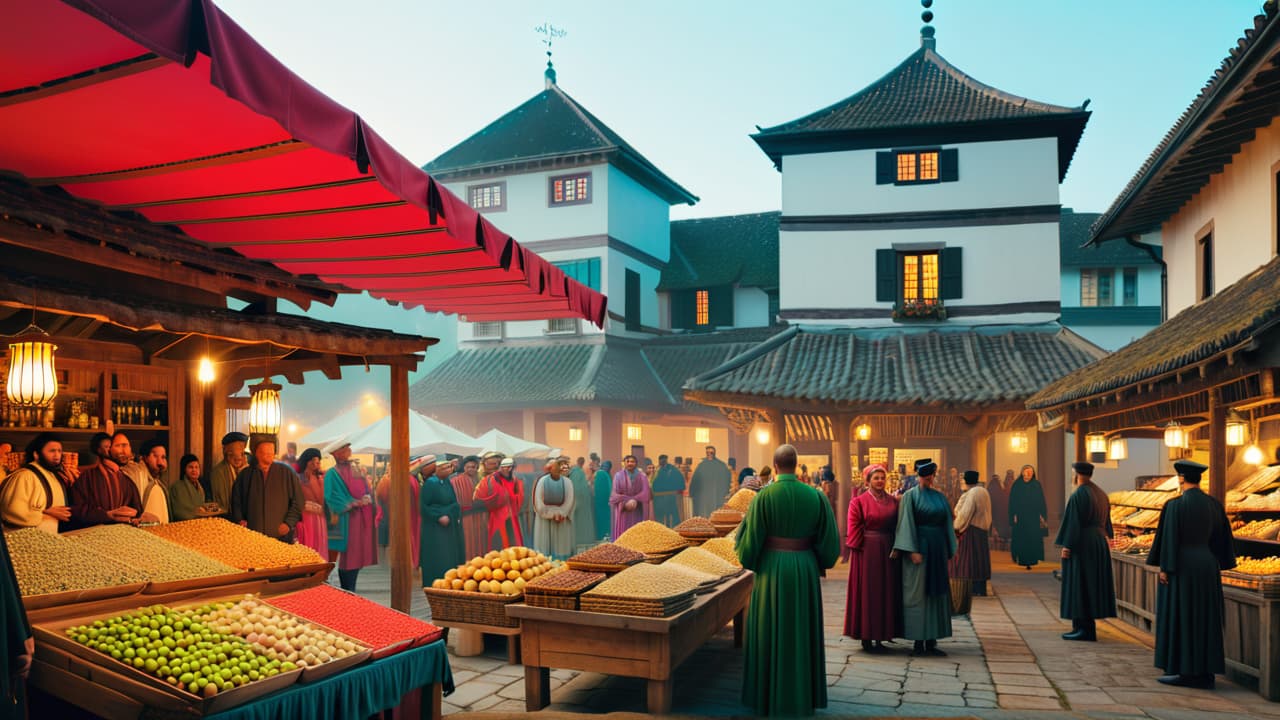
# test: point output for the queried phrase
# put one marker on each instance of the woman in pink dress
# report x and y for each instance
(313, 531)
(873, 606)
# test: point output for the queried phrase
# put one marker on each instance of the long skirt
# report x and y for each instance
(313, 532)
(972, 560)
(872, 605)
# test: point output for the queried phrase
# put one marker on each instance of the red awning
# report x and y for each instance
(169, 109)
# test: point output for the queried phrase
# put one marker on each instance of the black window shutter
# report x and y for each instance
(720, 312)
(682, 309)
(632, 300)
(949, 165)
(952, 274)
(886, 276)
(886, 168)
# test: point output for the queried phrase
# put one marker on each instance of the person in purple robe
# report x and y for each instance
(631, 500)
(348, 496)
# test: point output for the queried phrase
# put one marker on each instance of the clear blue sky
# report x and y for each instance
(686, 82)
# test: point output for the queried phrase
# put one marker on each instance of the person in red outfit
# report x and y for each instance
(503, 495)
(873, 606)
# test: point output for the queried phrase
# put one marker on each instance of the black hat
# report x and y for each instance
(926, 467)
(971, 477)
(1189, 470)
(1083, 468)
(233, 437)
(258, 438)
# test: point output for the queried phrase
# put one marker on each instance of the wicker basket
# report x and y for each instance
(555, 602)
(471, 607)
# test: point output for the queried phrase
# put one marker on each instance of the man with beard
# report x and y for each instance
(473, 513)
(503, 496)
(33, 496)
(710, 485)
(223, 475)
(154, 490)
(267, 496)
(104, 494)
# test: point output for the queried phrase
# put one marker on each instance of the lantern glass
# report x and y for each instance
(1175, 436)
(32, 381)
(1118, 449)
(863, 431)
(264, 409)
(1237, 429)
(702, 435)
(1019, 443)
(1096, 443)
(204, 373)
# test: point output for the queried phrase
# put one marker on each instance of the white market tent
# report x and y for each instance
(344, 425)
(425, 436)
(510, 445)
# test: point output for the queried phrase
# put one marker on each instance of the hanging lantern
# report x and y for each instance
(1019, 443)
(1237, 429)
(863, 431)
(1118, 449)
(204, 373)
(1096, 443)
(762, 436)
(264, 408)
(1175, 436)
(1253, 455)
(32, 382)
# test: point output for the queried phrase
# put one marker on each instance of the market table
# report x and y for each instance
(470, 638)
(625, 645)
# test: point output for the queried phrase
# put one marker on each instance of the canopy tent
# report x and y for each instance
(425, 436)
(510, 445)
(169, 110)
(345, 425)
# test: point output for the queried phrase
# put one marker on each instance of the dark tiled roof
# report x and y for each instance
(727, 250)
(1210, 327)
(926, 91)
(1240, 97)
(547, 126)
(937, 368)
(1074, 250)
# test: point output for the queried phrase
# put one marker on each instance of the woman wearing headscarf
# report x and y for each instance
(313, 531)
(874, 600)
(1027, 512)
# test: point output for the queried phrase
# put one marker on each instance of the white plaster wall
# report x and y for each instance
(1001, 264)
(528, 218)
(1006, 173)
(1240, 202)
(637, 216)
(537, 328)
(615, 280)
(750, 307)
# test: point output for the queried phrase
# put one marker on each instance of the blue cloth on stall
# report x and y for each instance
(355, 693)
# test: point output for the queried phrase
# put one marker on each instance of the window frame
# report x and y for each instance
(551, 189)
(920, 277)
(701, 308)
(1129, 287)
(501, 185)
(1101, 278)
(918, 155)
(592, 265)
(1204, 264)
(576, 328)
(502, 331)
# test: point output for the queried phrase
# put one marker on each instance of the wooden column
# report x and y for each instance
(1217, 447)
(978, 449)
(1051, 455)
(1082, 448)
(842, 466)
(777, 434)
(401, 534)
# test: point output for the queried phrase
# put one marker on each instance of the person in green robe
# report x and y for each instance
(711, 483)
(602, 490)
(441, 544)
(1088, 587)
(16, 638)
(1192, 547)
(584, 512)
(1027, 513)
(788, 536)
(928, 539)
(668, 485)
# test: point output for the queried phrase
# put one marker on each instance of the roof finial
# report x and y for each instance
(549, 32)
(927, 39)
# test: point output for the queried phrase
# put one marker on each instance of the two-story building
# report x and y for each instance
(1112, 293)
(919, 273)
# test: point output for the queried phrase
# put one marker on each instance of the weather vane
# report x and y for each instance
(549, 34)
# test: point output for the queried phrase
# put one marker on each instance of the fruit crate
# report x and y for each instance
(476, 608)
(1266, 585)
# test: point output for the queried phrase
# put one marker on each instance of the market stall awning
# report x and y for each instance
(168, 109)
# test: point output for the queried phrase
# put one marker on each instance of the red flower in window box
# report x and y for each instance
(920, 310)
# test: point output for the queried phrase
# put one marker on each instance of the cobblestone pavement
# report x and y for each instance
(1006, 660)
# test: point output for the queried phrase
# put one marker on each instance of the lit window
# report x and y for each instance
(918, 166)
(492, 196)
(575, 434)
(906, 167)
(633, 433)
(1095, 287)
(702, 435)
(920, 277)
(702, 307)
(571, 189)
(929, 166)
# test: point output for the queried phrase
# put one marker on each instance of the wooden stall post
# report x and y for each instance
(842, 466)
(1217, 447)
(398, 476)
(778, 433)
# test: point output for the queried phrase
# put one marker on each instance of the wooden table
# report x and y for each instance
(649, 648)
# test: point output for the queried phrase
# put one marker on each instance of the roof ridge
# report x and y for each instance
(848, 99)
(741, 359)
(658, 378)
(585, 116)
(587, 381)
(982, 87)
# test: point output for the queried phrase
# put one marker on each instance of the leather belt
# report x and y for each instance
(786, 544)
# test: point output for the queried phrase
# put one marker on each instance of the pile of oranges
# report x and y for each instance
(503, 572)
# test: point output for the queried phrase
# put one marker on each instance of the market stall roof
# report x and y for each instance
(344, 425)
(510, 445)
(426, 435)
(170, 110)
(1226, 323)
(895, 370)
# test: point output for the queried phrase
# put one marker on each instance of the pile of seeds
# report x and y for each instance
(564, 582)
(374, 625)
(722, 547)
(741, 500)
(161, 560)
(705, 561)
(651, 538)
(605, 557)
(647, 582)
(234, 545)
(47, 564)
(696, 526)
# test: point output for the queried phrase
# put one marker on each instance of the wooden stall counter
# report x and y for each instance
(624, 645)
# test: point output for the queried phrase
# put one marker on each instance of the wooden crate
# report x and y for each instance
(1136, 586)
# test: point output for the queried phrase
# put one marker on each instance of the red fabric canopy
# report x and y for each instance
(169, 109)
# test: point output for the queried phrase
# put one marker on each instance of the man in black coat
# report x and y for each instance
(1088, 587)
(1192, 546)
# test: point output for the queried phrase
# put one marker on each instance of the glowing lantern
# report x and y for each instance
(863, 431)
(1237, 429)
(1175, 436)
(1118, 449)
(32, 382)
(204, 373)
(264, 408)
(1019, 443)
(1096, 443)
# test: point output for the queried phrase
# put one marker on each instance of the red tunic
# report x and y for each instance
(873, 605)
(504, 498)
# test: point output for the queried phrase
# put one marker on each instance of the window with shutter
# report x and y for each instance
(631, 307)
(683, 312)
(924, 166)
(952, 285)
(721, 310)
(886, 276)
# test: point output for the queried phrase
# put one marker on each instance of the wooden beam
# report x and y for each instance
(401, 534)
(842, 465)
(1217, 448)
